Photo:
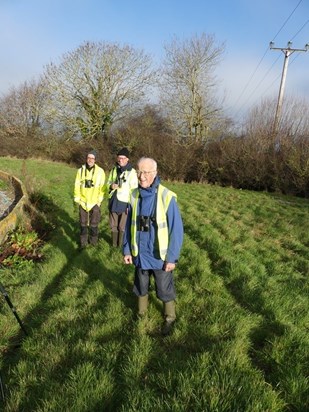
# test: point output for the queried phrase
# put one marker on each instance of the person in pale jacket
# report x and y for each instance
(122, 179)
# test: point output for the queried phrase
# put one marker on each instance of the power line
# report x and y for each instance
(287, 20)
(300, 30)
(261, 81)
(266, 51)
(277, 77)
(255, 70)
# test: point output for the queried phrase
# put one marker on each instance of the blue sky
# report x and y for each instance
(34, 33)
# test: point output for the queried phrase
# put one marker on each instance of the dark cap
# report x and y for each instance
(123, 152)
(92, 152)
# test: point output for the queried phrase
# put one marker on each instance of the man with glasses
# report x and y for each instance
(153, 240)
(122, 179)
(88, 194)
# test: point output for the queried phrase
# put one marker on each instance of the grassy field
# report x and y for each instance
(241, 339)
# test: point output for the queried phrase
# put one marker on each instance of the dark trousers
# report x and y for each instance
(164, 283)
(89, 221)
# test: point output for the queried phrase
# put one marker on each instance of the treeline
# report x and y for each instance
(98, 96)
(250, 162)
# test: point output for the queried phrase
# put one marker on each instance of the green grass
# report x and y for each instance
(241, 338)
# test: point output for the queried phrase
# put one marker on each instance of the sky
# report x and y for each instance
(34, 33)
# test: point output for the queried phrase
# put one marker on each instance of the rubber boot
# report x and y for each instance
(115, 239)
(170, 317)
(120, 239)
(83, 237)
(94, 235)
(142, 305)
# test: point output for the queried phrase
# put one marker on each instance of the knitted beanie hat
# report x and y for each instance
(92, 152)
(123, 152)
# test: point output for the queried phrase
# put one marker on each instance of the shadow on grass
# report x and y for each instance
(251, 300)
(174, 357)
(116, 286)
(77, 334)
(265, 333)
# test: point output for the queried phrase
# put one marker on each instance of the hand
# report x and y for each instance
(114, 186)
(169, 267)
(127, 259)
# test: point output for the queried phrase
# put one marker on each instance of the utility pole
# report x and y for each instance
(287, 53)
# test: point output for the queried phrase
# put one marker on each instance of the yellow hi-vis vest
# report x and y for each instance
(164, 197)
(129, 182)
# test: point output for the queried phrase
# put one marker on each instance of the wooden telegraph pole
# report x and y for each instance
(287, 53)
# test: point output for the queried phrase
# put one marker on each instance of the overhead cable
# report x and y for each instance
(267, 49)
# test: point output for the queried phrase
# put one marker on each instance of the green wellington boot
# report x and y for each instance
(170, 317)
(120, 239)
(115, 239)
(142, 306)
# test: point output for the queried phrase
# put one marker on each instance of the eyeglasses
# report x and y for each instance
(90, 158)
(142, 172)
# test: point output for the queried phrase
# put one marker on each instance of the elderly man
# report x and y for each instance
(88, 194)
(122, 179)
(153, 240)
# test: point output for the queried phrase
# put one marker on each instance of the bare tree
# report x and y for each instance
(296, 116)
(21, 109)
(293, 124)
(188, 86)
(95, 86)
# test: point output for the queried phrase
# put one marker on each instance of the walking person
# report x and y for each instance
(122, 179)
(153, 240)
(88, 194)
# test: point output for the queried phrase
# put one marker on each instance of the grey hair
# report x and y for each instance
(150, 160)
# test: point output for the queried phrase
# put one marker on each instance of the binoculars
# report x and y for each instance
(120, 180)
(144, 223)
(88, 183)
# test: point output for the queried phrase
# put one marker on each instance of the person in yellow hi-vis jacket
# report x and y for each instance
(89, 194)
(121, 180)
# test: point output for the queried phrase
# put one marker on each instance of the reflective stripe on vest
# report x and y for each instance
(164, 197)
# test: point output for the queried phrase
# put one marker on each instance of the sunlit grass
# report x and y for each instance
(240, 342)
